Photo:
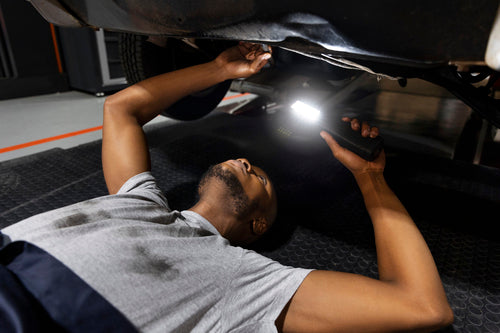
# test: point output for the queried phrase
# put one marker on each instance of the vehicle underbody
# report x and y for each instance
(447, 43)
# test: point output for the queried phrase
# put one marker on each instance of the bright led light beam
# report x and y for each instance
(306, 112)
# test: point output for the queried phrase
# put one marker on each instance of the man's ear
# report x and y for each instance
(259, 225)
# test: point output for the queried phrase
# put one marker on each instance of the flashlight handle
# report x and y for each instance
(367, 148)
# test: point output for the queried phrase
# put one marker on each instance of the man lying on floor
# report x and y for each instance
(128, 262)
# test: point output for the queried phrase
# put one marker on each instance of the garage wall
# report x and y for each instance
(28, 62)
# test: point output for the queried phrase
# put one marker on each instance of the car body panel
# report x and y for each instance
(422, 33)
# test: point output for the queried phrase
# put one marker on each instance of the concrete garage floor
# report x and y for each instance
(322, 222)
(34, 124)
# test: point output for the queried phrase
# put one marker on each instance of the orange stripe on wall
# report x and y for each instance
(53, 138)
(56, 48)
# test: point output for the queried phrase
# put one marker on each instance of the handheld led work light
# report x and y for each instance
(368, 148)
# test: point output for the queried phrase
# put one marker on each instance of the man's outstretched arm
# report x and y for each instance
(408, 296)
(124, 148)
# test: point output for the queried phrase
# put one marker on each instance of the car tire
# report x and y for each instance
(142, 59)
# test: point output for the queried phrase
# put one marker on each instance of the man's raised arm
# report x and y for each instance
(408, 296)
(124, 148)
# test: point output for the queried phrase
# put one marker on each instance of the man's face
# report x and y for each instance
(249, 186)
(239, 200)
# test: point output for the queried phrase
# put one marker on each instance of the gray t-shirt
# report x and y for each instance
(165, 270)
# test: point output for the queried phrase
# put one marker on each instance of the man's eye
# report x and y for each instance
(263, 180)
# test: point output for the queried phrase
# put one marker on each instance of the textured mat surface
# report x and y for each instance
(322, 221)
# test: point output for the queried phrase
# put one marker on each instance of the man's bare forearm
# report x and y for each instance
(147, 99)
(403, 255)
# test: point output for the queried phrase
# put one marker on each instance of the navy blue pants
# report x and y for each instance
(40, 294)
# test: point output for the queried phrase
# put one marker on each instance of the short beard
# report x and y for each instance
(239, 202)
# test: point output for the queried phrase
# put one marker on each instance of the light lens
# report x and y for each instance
(306, 112)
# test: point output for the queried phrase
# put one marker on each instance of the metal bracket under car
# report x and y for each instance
(476, 97)
(462, 84)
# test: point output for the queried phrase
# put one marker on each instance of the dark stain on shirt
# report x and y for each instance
(150, 263)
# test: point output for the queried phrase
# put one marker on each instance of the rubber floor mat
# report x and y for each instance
(322, 220)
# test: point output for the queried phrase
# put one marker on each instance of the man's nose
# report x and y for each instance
(246, 163)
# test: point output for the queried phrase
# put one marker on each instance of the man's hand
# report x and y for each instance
(243, 60)
(350, 160)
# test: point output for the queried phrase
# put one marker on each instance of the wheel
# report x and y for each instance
(142, 59)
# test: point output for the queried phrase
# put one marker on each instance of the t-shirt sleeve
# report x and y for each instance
(258, 292)
(144, 185)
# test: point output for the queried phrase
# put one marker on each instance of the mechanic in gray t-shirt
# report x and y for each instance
(167, 271)
(184, 272)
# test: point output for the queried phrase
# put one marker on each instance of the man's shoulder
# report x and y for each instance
(140, 180)
(144, 185)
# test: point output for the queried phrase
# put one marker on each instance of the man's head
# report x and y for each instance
(241, 200)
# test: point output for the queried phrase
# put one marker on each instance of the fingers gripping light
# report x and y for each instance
(366, 147)
(306, 112)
